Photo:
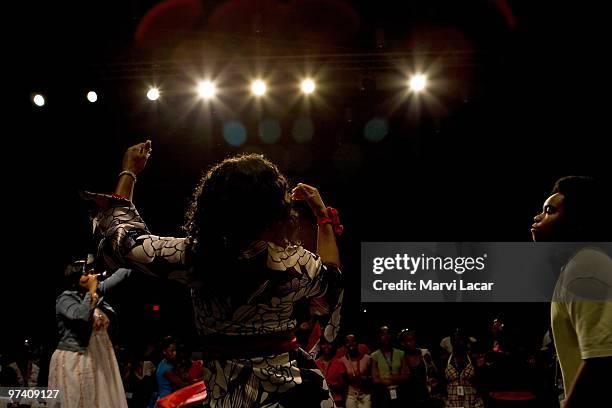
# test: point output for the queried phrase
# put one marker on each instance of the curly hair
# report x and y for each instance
(233, 204)
(583, 196)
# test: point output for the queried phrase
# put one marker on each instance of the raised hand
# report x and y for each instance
(309, 194)
(135, 157)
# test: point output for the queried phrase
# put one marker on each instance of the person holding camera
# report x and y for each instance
(84, 367)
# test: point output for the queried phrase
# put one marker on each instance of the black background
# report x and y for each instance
(521, 107)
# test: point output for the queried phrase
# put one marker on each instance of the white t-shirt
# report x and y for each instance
(581, 311)
(355, 368)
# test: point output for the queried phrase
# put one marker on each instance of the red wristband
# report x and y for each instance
(324, 220)
(333, 218)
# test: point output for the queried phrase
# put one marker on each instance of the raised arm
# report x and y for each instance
(320, 279)
(106, 285)
(326, 240)
(134, 161)
(124, 239)
(74, 308)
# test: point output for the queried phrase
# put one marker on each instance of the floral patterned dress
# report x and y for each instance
(262, 305)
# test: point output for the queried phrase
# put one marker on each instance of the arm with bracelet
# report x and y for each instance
(329, 297)
(134, 162)
(326, 237)
(125, 240)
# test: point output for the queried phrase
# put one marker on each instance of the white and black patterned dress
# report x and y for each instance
(276, 277)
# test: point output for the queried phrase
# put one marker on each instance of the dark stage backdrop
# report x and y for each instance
(474, 163)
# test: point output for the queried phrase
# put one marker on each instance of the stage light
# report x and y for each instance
(156, 308)
(92, 96)
(38, 100)
(418, 83)
(308, 86)
(258, 87)
(153, 94)
(206, 90)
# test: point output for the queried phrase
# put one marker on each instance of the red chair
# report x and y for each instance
(185, 397)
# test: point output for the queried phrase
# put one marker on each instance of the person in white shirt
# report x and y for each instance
(358, 370)
(581, 310)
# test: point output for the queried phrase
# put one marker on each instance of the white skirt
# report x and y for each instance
(90, 379)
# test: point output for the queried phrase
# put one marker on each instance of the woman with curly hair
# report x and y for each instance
(245, 274)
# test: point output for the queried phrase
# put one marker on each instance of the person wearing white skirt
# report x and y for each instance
(84, 367)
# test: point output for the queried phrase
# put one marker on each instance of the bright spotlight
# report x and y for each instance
(258, 87)
(92, 96)
(38, 100)
(418, 83)
(308, 86)
(153, 94)
(206, 89)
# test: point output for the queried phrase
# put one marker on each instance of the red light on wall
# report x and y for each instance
(156, 308)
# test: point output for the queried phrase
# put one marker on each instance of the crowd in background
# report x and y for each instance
(394, 370)
(460, 371)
